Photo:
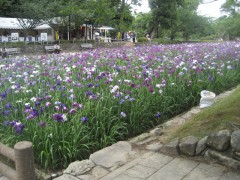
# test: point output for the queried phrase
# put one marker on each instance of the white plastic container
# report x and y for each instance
(207, 98)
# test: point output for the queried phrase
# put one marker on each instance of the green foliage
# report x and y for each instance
(163, 41)
(6, 6)
(142, 24)
(228, 27)
(231, 6)
(164, 13)
(212, 37)
(142, 39)
(191, 24)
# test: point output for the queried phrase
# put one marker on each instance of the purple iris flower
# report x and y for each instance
(118, 68)
(121, 101)
(37, 103)
(89, 85)
(3, 94)
(8, 106)
(27, 106)
(75, 104)
(99, 77)
(6, 112)
(6, 123)
(42, 109)
(210, 78)
(42, 124)
(58, 83)
(57, 103)
(131, 99)
(19, 127)
(48, 97)
(93, 97)
(30, 116)
(88, 93)
(84, 119)
(63, 88)
(72, 111)
(158, 115)
(133, 85)
(39, 99)
(35, 112)
(151, 89)
(58, 117)
(144, 74)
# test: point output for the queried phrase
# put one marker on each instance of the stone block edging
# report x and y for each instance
(222, 146)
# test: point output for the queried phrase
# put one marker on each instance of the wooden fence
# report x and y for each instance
(22, 155)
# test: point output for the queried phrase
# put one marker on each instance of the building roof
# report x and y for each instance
(12, 23)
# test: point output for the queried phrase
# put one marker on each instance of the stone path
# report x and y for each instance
(156, 166)
(112, 163)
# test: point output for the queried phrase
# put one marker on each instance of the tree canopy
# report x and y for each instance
(167, 18)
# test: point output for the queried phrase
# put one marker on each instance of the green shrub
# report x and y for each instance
(163, 41)
(142, 39)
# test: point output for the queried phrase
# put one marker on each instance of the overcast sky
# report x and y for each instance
(210, 9)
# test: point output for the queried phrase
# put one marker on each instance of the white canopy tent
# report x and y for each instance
(10, 30)
(12, 23)
(106, 29)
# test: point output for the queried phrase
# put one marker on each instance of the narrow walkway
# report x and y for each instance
(156, 166)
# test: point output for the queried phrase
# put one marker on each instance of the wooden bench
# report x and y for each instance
(52, 49)
(5, 52)
(87, 46)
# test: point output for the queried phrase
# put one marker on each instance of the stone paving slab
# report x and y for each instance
(175, 170)
(206, 171)
(110, 156)
(140, 171)
(230, 176)
(3, 178)
(127, 166)
(156, 161)
(126, 177)
(67, 177)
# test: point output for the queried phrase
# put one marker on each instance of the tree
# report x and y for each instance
(142, 23)
(6, 6)
(164, 14)
(228, 27)
(231, 6)
(192, 24)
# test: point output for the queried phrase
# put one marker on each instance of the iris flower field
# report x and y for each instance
(70, 105)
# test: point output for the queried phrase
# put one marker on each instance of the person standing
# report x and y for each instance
(133, 36)
(148, 38)
(4, 53)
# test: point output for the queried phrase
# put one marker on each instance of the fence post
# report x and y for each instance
(24, 161)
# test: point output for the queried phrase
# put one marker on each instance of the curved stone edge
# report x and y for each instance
(222, 147)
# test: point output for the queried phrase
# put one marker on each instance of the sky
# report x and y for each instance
(209, 9)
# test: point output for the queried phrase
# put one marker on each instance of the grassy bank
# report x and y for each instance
(224, 114)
